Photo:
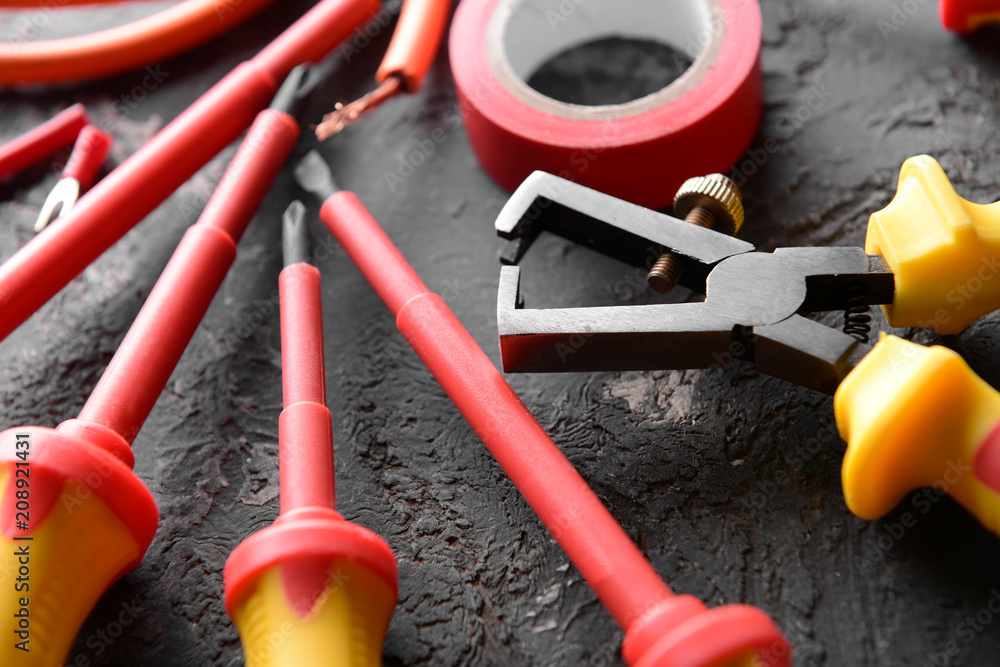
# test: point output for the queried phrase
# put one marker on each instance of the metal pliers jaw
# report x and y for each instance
(753, 308)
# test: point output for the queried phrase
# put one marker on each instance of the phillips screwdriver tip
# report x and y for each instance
(295, 234)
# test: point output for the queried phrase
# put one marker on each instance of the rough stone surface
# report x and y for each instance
(728, 481)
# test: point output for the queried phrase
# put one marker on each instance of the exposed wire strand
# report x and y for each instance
(346, 114)
(409, 56)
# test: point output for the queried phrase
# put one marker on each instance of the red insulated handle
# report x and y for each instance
(51, 259)
(305, 428)
(660, 628)
(590, 536)
(42, 141)
(965, 16)
(154, 344)
(87, 156)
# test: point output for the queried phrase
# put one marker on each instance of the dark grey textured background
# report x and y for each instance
(728, 481)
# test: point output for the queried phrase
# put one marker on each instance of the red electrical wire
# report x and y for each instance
(409, 56)
(148, 40)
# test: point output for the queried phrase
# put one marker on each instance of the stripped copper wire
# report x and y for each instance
(346, 114)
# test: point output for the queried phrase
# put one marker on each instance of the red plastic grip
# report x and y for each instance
(415, 42)
(305, 428)
(606, 557)
(143, 363)
(310, 534)
(600, 549)
(88, 154)
(986, 462)
(965, 16)
(661, 629)
(51, 259)
(374, 253)
(42, 141)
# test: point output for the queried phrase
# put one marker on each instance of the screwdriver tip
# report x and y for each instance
(313, 175)
(295, 234)
(296, 88)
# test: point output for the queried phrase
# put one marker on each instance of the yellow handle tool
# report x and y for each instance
(943, 251)
(73, 519)
(914, 416)
(312, 589)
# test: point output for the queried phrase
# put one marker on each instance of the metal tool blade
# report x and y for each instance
(58, 203)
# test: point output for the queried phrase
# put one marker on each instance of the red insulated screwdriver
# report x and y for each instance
(31, 147)
(329, 583)
(72, 512)
(124, 197)
(79, 174)
(661, 629)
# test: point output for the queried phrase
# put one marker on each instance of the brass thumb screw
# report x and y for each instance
(707, 201)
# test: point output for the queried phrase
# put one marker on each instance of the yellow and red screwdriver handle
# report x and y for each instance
(914, 416)
(312, 589)
(75, 516)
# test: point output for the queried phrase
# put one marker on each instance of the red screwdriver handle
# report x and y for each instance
(88, 154)
(143, 363)
(304, 427)
(661, 629)
(50, 260)
(42, 141)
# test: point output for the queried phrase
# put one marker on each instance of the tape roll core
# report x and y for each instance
(640, 150)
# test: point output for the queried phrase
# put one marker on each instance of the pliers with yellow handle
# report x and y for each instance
(912, 416)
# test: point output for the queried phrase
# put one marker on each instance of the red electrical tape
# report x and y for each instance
(640, 151)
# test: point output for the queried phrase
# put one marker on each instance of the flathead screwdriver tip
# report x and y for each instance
(296, 88)
(295, 234)
(313, 175)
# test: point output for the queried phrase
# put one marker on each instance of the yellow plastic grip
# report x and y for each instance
(344, 627)
(50, 582)
(916, 417)
(943, 250)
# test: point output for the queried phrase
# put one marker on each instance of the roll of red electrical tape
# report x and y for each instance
(640, 151)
